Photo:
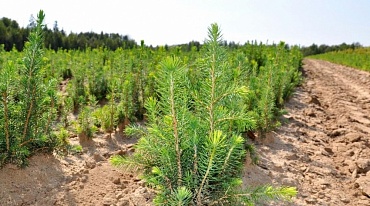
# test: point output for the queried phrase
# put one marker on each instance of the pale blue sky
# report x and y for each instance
(161, 22)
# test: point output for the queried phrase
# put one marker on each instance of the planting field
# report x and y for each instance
(208, 125)
(358, 58)
(193, 113)
(322, 149)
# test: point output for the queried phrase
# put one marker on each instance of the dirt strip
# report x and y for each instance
(323, 147)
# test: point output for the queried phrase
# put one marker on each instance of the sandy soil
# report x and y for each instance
(322, 148)
(80, 179)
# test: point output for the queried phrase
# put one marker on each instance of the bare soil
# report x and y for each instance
(80, 179)
(322, 148)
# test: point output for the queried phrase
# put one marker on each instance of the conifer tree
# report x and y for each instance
(29, 109)
(190, 149)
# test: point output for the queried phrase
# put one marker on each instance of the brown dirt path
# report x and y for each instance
(324, 147)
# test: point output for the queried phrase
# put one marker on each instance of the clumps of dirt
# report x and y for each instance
(323, 149)
(81, 179)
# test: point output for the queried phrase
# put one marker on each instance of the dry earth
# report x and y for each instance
(80, 179)
(322, 148)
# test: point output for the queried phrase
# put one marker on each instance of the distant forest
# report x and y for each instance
(323, 48)
(13, 36)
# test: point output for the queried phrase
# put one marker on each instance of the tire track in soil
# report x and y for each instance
(323, 147)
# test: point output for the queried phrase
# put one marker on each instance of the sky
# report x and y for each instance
(160, 22)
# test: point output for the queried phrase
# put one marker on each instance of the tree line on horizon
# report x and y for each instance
(12, 36)
(315, 49)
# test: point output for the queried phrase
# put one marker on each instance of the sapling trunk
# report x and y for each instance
(175, 132)
(48, 123)
(111, 100)
(31, 79)
(6, 81)
(6, 117)
(29, 112)
(212, 98)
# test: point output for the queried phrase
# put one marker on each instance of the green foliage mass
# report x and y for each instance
(28, 103)
(197, 103)
(126, 77)
(191, 149)
(357, 58)
(272, 82)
